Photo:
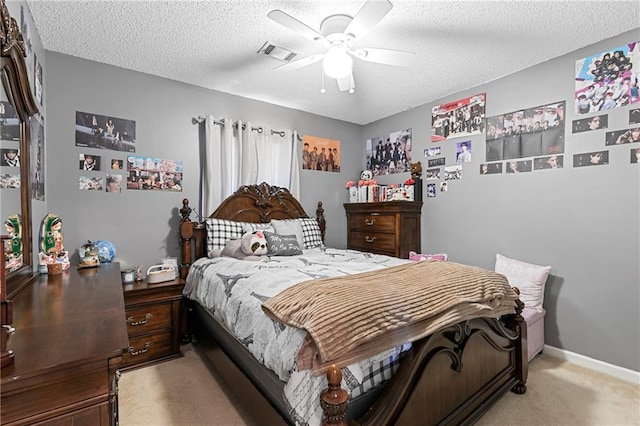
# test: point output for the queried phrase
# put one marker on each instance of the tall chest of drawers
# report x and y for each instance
(390, 227)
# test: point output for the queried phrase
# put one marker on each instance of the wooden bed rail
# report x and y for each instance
(420, 393)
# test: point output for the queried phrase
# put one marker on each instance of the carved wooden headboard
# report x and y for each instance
(250, 203)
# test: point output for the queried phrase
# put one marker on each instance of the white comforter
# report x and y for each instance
(233, 290)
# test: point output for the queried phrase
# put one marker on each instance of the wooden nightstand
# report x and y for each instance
(153, 315)
(390, 227)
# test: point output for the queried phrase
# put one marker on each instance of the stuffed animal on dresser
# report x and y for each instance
(251, 246)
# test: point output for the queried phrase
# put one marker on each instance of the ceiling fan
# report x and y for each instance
(338, 34)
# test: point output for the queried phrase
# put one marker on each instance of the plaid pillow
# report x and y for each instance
(311, 233)
(219, 231)
(253, 227)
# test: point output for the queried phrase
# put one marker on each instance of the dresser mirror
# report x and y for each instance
(17, 106)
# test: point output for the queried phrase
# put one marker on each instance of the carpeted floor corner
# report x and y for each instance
(186, 391)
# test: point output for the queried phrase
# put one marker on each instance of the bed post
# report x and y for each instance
(186, 233)
(334, 400)
(320, 218)
(522, 362)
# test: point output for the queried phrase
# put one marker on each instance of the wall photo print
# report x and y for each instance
(597, 158)
(90, 183)
(149, 173)
(36, 157)
(634, 116)
(9, 121)
(519, 166)
(320, 154)
(8, 180)
(89, 162)
(620, 137)
(529, 132)
(608, 79)
(105, 132)
(635, 156)
(490, 168)
(389, 154)
(588, 124)
(550, 162)
(459, 118)
(463, 152)
(10, 157)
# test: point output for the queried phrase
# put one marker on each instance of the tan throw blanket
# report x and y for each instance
(356, 316)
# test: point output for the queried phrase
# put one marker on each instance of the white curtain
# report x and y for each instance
(238, 155)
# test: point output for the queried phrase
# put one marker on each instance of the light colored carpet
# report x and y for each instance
(186, 391)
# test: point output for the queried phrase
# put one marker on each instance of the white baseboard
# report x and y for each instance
(594, 364)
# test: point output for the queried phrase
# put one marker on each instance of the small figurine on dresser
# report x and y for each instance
(88, 256)
(51, 244)
(138, 273)
(13, 246)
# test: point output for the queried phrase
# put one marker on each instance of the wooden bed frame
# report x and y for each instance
(451, 377)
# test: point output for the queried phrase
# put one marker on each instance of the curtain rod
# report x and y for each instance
(200, 119)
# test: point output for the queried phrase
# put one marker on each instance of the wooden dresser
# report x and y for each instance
(390, 227)
(68, 344)
(153, 319)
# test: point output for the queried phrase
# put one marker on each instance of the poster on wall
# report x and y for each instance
(36, 157)
(597, 158)
(635, 156)
(453, 172)
(620, 137)
(432, 152)
(105, 132)
(463, 117)
(433, 174)
(150, 173)
(389, 154)
(9, 122)
(529, 132)
(588, 124)
(608, 79)
(634, 116)
(431, 190)
(320, 154)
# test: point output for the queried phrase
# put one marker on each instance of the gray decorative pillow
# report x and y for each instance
(288, 227)
(282, 245)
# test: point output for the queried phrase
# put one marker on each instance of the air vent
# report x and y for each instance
(279, 53)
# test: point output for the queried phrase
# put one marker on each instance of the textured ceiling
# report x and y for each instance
(214, 44)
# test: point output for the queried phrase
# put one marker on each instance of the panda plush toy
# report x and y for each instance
(366, 175)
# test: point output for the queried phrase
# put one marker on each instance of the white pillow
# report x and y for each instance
(289, 227)
(529, 278)
(253, 227)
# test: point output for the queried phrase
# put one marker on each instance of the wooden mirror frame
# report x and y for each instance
(15, 81)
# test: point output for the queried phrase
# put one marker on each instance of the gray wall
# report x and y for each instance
(584, 222)
(143, 224)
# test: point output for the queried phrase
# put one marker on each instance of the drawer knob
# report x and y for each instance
(369, 239)
(369, 222)
(143, 321)
(141, 351)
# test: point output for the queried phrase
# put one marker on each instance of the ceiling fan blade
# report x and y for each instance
(346, 83)
(300, 63)
(386, 56)
(367, 17)
(296, 26)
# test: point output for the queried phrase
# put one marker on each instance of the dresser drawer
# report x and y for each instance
(145, 348)
(148, 318)
(372, 242)
(372, 222)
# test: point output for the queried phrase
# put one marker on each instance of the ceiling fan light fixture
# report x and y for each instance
(337, 63)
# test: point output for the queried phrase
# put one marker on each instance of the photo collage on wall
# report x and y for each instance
(389, 154)
(320, 154)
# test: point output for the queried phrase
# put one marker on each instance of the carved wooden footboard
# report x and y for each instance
(451, 377)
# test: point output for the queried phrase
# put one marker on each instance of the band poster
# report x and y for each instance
(463, 117)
